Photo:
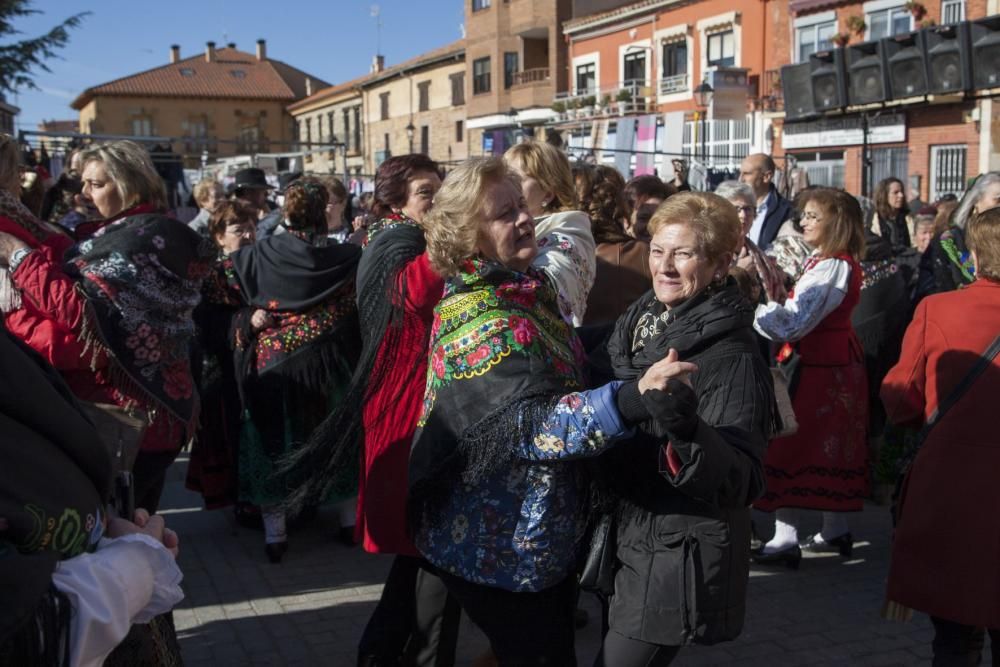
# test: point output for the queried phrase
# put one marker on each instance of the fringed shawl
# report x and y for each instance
(142, 279)
(501, 355)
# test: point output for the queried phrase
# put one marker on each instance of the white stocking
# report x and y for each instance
(786, 535)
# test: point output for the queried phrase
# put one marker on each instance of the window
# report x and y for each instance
(347, 129)
(196, 131)
(509, 69)
(385, 144)
(459, 131)
(238, 73)
(458, 89)
(722, 49)
(947, 170)
(142, 127)
(813, 38)
(332, 136)
(586, 79)
(187, 71)
(357, 130)
(383, 100)
(424, 94)
(823, 168)
(309, 130)
(249, 139)
(889, 22)
(635, 69)
(674, 62)
(952, 11)
(886, 162)
(724, 144)
(480, 76)
(480, 4)
(425, 139)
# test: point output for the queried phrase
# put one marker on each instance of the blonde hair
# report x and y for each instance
(203, 187)
(131, 170)
(550, 167)
(713, 219)
(10, 161)
(982, 233)
(452, 225)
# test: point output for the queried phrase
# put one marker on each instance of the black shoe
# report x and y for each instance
(843, 544)
(790, 557)
(248, 516)
(275, 550)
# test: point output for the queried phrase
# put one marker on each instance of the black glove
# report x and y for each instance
(630, 404)
(675, 410)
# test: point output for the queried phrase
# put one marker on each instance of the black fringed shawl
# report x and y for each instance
(390, 245)
(501, 356)
(55, 476)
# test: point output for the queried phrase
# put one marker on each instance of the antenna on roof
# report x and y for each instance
(376, 13)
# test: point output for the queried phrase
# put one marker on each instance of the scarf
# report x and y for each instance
(17, 220)
(55, 478)
(142, 278)
(390, 244)
(501, 356)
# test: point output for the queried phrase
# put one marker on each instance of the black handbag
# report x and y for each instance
(981, 365)
(597, 572)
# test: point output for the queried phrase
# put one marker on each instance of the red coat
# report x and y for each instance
(50, 321)
(383, 486)
(946, 548)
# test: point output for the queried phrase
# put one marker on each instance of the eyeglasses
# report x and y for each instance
(749, 210)
(809, 215)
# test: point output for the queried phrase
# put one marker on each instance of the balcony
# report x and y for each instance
(630, 97)
(531, 88)
(770, 96)
(678, 83)
(531, 76)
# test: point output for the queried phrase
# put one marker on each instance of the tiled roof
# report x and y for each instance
(233, 74)
(328, 93)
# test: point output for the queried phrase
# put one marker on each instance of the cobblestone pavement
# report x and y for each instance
(310, 610)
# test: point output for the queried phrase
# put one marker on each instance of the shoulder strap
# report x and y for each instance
(981, 365)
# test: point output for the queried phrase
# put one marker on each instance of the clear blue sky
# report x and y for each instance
(332, 39)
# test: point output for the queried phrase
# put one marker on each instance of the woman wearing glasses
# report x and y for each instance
(823, 466)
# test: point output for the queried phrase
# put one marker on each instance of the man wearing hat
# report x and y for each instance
(251, 188)
(270, 223)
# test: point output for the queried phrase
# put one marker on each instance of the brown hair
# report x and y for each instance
(885, 212)
(10, 163)
(393, 178)
(305, 205)
(641, 188)
(844, 231)
(228, 213)
(335, 187)
(452, 226)
(203, 187)
(713, 219)
(983, 236)
(945, 210)
(550, 167)
(131, 170)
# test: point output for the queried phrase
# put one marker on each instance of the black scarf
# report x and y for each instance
(334, 442)
(142, 278)
(55, 475)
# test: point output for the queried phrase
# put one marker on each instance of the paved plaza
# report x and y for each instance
(310, 610)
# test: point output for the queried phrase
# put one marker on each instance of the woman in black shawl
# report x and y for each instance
(296, 345)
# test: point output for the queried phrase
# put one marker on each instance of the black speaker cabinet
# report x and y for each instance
(948, 63)
(984, 35)
(905, 59)
(814, 87)
(866, 73)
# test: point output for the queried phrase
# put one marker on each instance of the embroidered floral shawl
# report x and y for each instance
(501, 356)
(142, 278)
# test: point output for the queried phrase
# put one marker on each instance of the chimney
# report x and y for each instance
(231, 45)
(261, 49)
(378, 64)
(309, 86)
(210, 52)
(175, 53)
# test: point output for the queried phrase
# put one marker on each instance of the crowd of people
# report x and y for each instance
(523, 378)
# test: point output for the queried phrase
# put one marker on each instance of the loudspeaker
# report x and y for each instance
(866, 73)
(984, 35)
(947, 49)
(815, 86)
(906, 64)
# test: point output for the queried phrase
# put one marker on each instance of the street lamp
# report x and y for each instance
(703, 98)
(409, 134)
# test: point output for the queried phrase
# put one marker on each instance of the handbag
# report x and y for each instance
(597, 573)
(977, 369)
(783, 399)
(121, 431)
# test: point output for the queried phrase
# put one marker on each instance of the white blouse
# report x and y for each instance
(817, 294)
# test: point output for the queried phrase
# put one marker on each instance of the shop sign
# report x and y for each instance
(846, 131)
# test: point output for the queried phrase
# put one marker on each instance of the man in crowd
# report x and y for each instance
(757, 171)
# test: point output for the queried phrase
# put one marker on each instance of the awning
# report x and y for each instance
(800, 6)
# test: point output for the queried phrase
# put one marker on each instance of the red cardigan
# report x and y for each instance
(947, 542)
(381, 524)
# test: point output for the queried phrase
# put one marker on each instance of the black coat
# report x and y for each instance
(684, 540)
(776, 216)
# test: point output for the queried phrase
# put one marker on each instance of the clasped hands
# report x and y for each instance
(669, 397)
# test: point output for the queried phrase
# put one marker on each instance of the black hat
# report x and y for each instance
(251, 178)
(287, 178)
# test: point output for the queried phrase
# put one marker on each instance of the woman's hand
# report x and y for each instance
(657, 375)
(153, 526)
(8, 245)
(261, 320)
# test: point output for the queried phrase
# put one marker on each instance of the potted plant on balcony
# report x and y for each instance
(856, 24)
(841, 39)
(606, 104)
(587, 105)
(624, 98)
(928, 23)
(917, 9)
(559, 107)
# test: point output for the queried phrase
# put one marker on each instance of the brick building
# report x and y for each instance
(417, 106)
(222, 101)
(933, 145)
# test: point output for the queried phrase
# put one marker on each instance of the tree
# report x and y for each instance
(20, 59)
